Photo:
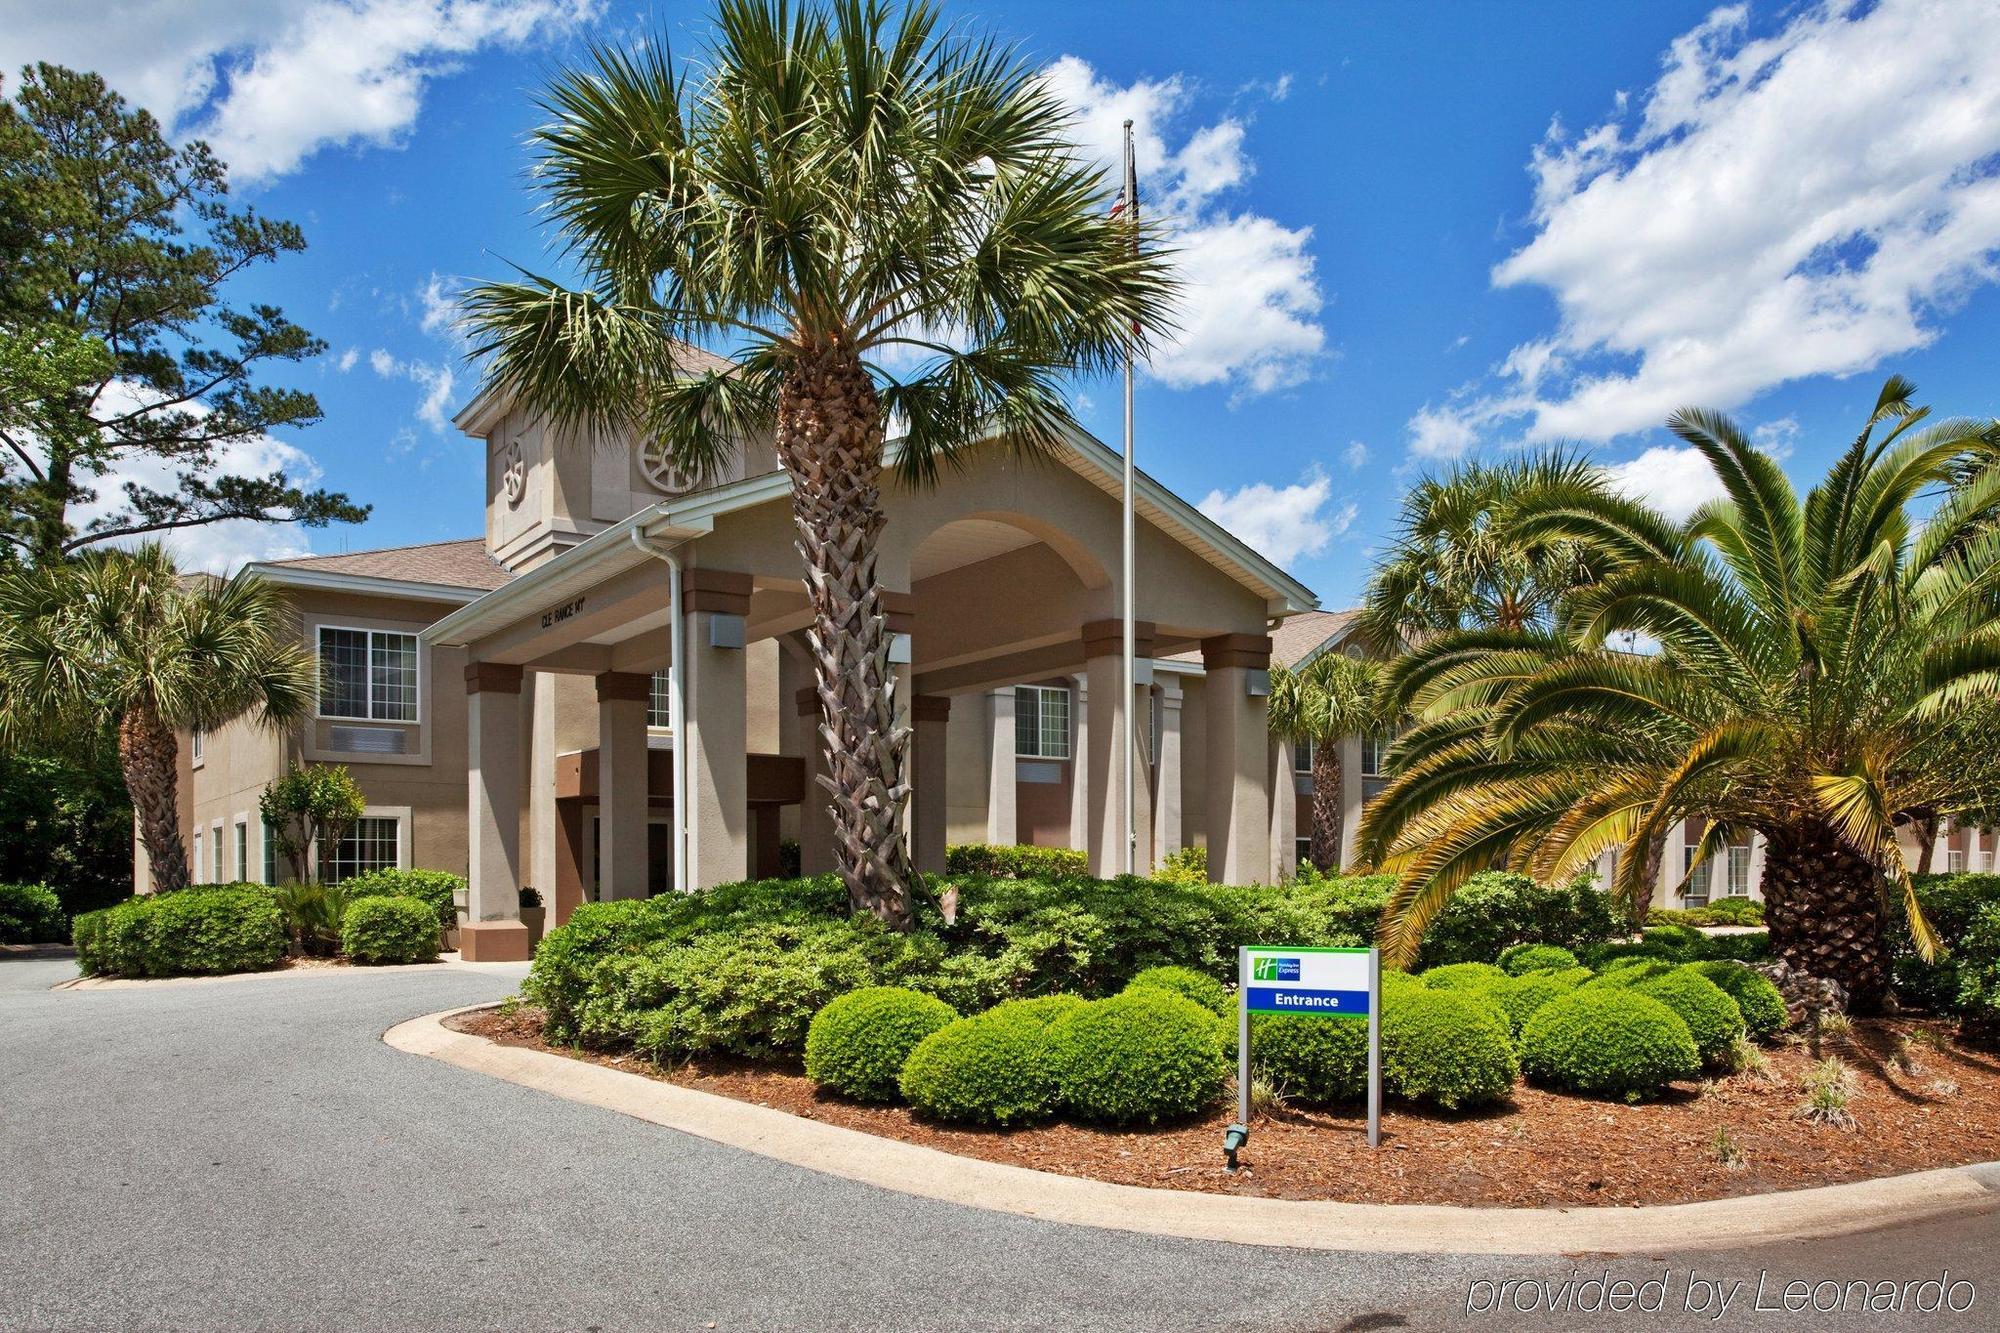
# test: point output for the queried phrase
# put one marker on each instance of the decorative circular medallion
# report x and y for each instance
(663, 471)
(513, 474)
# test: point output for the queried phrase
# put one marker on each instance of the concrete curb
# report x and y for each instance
(908, 1168)
(449, 962)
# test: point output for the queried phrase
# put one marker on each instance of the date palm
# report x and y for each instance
(1459, 561)
(1325, 700)
(122, 639)
(1813, 656)
(875, 220)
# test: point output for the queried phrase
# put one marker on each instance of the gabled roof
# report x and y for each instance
(1297, 639)
(454, 571)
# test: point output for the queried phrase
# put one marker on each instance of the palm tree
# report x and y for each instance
(1813, 657)
(122, 639)
(877, 221)
(1323, 701)
(1459, 560)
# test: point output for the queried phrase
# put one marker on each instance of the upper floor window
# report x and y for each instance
(195, 745)
(1302, 755)
(369, 674)
(1374, 751)
(1041, 722)
(659, 704)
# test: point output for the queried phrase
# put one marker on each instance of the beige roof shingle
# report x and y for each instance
(1296, 637)
(457, 564)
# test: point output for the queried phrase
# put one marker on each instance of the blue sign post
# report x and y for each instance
(1334, 984)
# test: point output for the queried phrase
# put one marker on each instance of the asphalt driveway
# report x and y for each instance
(248, 1154)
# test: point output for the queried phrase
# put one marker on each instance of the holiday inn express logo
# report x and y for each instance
(1274, 969)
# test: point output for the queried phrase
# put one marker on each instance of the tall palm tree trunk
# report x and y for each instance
(829, 438)
(149, 754)
(1329, 809)
(1823, 904)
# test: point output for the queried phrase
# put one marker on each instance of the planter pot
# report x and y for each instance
(532, 918)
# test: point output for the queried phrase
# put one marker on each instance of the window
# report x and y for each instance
(1697, 877)
(1738, 882)
(1374, 749)
(270, 856)
(659, 703)
(1041, 721)
(242, 850)
(368, 674)
(195, 866)
(195, 745)
(1302, 850)
(217, 874)
(370, 845)
(1302, 755)
(1954, 862)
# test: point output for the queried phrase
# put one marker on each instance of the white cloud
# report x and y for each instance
(1282, 522)
(436, 381)
(347, 360)
(438, 308)
(1674, 479)
(1249, 307)
(1442, 432)
(1354, 455)
(1804, 203)
(268, 82)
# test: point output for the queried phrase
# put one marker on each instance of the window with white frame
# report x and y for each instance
(242, 850)
(1041, 721)
(217, 871)
(367, 674)
(1736, 882)
(270, 855)
(1954, 861)
(373, 843)
(195, 745)
(1374, 750)
(196, 867)
(1302, 850)
(659, 702)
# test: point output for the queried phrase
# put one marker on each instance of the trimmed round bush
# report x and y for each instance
(1446, 1048)
(1762, 1007)
(1602, 955)
(1139, 1058)
(30, 914)
(1462, 976)
(1316, 1060)
(389, 930)
(1632, 971)
(1521, 959)
(200, 931)
(1712, 1018)
(1520, 997)
(1675, 939)
(1200, 987)
(857, 1043)
(1609, 1041)
(439, 888)
(997, 1068)
(1042, 1009)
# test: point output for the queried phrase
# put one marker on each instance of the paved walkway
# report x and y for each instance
(250, 1155)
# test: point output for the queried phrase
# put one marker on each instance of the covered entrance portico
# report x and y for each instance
(1003, 575)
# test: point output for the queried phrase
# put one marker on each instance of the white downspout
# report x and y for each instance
(675, 713)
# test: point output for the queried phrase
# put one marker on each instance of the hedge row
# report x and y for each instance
(30, 914)
(202, 930)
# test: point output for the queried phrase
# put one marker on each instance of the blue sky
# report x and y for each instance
(1415, 233)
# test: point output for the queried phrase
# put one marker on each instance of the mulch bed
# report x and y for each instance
(1542, 1149)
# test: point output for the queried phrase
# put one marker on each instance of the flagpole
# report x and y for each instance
(1129, 704)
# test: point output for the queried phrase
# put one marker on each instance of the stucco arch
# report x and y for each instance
(1091, 571)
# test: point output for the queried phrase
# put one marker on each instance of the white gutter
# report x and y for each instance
(676, 714)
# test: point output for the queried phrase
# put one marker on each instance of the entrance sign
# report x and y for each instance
(1338, 985)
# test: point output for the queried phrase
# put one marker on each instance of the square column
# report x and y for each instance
(1167, 775)
(899, 617)
(1103, 650)
(544, 837)
(930, 713)
(1239, 757)
(493, 932)
(1284, 811)
(815, 808)
(621, 783)
(714, 603)
(1003, 820)
(1079, 768)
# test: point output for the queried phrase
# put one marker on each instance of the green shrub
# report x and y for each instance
(998, 1068)
(1951, 903)
(1321, 1061)
(1496, 909)
(1762, 1007)
(1719, 912)
(389, 930)
(560, 976)
(991, 861)
(1602, 955)
(1187, 866)
(1609, 1041)
(1976, 967)
(1749, 947)
(1141, 1057)
(857, 1043)
(204, 930)
(1446, 1048)
(1712, 1018)
(1521, 997)
(30, 914)
(437, 888)
(1631, 971)
(1200, 987)
(1683, 940)
(1462, 976)
(314, 914)
(1520, 959)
